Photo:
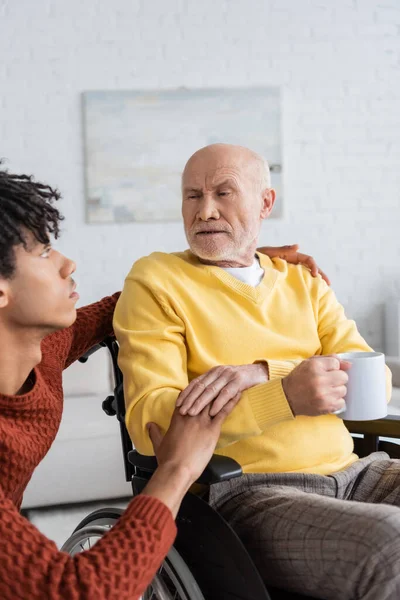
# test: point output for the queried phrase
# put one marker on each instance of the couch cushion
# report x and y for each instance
(85, 461)
(84, 418)
(79, 471)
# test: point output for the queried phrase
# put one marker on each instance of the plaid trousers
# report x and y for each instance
(334, 537)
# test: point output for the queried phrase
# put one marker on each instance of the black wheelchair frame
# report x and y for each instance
(203, 535)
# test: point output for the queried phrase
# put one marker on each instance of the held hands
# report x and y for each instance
(221, 387)
(317, 386)
(189, 442)
(182, 454)
(291, 255)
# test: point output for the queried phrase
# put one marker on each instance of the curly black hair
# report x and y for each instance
(24, 205)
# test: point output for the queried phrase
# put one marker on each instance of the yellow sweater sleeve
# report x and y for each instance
(280, 368)
(153, 360)
(336, 332)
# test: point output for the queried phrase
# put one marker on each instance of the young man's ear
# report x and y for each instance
(268, 199)
(4, 291)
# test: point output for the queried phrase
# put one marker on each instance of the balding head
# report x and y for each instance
(226, 193)
(219, 154)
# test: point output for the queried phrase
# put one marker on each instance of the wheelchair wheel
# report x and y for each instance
(173, 581)
(90, 529)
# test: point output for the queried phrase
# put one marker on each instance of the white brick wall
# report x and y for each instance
(339, 65)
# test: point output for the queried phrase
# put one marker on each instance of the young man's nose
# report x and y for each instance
(68, 267)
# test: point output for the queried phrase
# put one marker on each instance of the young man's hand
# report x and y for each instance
(189, 442)
(291, 255)
(183, 453)
(219, 386)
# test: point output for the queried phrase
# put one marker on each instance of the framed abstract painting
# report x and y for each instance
(137, 144)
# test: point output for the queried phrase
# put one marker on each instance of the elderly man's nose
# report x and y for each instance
(208, 210)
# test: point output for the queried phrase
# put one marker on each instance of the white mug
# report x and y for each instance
(366, 388)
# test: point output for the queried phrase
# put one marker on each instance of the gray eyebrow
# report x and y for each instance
(192, 189)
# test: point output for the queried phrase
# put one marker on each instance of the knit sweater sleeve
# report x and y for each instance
(119, 567)
(93, 324)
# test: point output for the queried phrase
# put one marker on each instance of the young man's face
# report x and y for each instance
(40, 294)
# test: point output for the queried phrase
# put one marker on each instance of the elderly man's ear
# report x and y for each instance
(268, 199)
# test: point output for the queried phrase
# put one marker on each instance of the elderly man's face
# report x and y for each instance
(223, 205)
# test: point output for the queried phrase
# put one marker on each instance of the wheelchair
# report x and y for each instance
(208, 560)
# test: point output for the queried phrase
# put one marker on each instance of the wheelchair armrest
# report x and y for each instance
(220, 468)
(84, 358)
(142, 462)
(387, 427)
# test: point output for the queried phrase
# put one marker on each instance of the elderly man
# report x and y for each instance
(221, 323)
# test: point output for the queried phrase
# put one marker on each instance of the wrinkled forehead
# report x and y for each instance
(201, 173)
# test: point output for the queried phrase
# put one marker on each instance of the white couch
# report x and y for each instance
(85, 462)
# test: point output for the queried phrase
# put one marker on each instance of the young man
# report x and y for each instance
(41, 334)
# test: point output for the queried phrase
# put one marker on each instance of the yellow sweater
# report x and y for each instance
(177, 318)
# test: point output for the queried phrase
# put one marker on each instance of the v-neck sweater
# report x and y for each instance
(251, 275)
(123, 562)
(178, 318)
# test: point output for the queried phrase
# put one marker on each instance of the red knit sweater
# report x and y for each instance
(123, 562)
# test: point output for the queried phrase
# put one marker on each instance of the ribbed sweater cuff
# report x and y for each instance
(269, 403)
(152, 509)
(281, 368)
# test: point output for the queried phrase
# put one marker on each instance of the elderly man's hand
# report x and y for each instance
(317, 386)
(219, 386)
(293, 256)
